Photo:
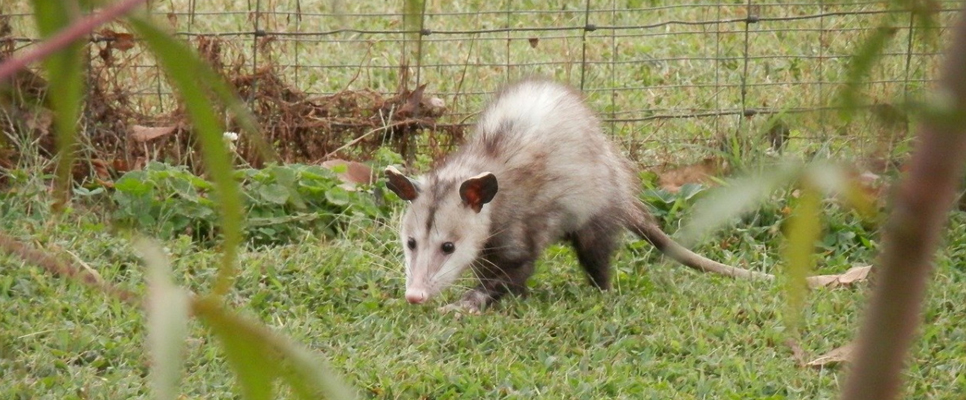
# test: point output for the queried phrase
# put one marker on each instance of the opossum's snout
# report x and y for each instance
(416, 296)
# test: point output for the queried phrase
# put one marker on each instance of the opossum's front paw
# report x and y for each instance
(471, 303)
(461, 307)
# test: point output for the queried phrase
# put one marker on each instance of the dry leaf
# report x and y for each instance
(840, 355)
(701, 172)
(123, 41)
(101, 168)
(853, 275)
(145, 133)
(356, 173)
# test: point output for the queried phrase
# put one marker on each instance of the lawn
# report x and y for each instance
(663, 332)
(332, 279)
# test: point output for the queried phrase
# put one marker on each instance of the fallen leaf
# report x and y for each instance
(123, 41)
(145, 133)
(701, 172)
(101, 168)
(356, 173)
(850, 277)
(836, 356)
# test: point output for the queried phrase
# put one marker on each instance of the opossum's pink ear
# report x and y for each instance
(402, 186)
(478, 190)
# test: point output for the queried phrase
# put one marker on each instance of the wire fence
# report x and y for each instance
(673, 82)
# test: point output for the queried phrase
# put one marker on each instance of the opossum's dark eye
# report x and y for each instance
(411, 243)
(448, 247)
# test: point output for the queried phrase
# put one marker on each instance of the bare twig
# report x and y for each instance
(912, 234)
(58, 267)
(362, 137)
(70, 34)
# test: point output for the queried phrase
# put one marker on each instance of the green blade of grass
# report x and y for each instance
(184, 69)
(259, 356)
(167, 313)
(66, 85)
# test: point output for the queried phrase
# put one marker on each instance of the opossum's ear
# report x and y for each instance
(402, 186)
(478, 190)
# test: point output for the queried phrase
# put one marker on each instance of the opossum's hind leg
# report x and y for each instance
(496, 280)
(595, 244)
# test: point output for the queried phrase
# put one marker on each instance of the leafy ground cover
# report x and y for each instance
(664, 332)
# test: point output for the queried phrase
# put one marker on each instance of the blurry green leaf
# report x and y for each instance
(286, 177)
(259, 356)
(412, 16)
(167, 314)
(274, 193)
(247, 349)
(184, 68)
(65, 71)
(723, 204)
(802, 232)
(869, 50)
(338, 196)
(690, 190)
(134, 183)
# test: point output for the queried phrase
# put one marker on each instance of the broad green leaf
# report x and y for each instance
(65, 70)
(183, 68)
(167, 314)
(338, 196)
(721, 205)
(274, 193)
(803, 231)
(286, 177)
(134, 183)
(259, 356)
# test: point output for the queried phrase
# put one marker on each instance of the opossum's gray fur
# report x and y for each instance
(537, 169)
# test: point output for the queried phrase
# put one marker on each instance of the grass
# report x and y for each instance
(664, 332)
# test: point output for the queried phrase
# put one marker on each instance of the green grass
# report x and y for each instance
(664, 332)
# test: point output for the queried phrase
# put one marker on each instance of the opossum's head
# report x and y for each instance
(444, 228)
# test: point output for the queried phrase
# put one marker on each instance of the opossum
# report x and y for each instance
(537, 169)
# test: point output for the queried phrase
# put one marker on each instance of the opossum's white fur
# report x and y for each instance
(558, 177)
(547, 152)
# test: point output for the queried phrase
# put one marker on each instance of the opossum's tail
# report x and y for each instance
(642, 223)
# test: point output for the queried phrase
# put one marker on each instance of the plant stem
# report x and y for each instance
(912, 234)
(72, 33)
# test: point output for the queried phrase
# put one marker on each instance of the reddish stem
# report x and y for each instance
(923, 200)
(70, 34)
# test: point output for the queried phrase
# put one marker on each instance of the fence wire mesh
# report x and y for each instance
(674, 82)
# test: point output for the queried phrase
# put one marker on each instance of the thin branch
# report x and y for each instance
(72, 33)
(67, 270)
(912, 234)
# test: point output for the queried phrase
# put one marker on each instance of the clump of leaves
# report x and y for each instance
(283, 202)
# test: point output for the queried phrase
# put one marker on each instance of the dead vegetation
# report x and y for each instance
(119, 133)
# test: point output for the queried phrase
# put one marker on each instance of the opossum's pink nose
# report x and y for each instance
(415, 296)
